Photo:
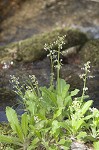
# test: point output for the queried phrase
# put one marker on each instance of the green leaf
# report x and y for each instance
(86, 106)
(51, 97)
(90, 138)
(52, 147)
(9, 148)
(61, 86)
(96, 145)
(31, 106)
(65, 144)
(66, 125)
(12, 117)
(6, 139)
(24, 124)
(35, 131)
(31, 101)
(34, 144)
(65, 91)
(60, 101)
(35, 141)
(88, 117)
(58, 112)
(62, 93)
(55, 126)
(75, 92)
(65, 147)
(39, 125)
(81, 135)
(30, 95)
(68, 101)
(14, 122)
(62, 141)
(9, 139)
(78, 124)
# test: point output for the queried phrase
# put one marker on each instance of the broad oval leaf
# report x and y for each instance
(75, 92)
(14, 122)
(24, 123)
(86, 106)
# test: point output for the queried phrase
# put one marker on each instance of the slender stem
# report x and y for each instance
(51, 77)
(84, 86)
(38, 91)
(58, 67)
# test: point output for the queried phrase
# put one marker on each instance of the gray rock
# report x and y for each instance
(78, 146)
(70, 51)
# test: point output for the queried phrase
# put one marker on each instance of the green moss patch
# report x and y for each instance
(90, 52)
(32, 48)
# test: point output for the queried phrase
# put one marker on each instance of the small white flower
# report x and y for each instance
(85, 89)
(91, 77)
(11, 62)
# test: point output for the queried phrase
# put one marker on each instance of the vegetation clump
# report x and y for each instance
(53, 117)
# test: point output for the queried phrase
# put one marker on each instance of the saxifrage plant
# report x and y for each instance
(53, 116)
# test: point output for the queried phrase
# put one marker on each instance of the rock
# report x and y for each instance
(70, 51)
(8, 8)
(90, 52)
(21, 19)
(71, 72)
(50, 3)
(78, 146)
(7, 97)
(32, 49)
(70, 55)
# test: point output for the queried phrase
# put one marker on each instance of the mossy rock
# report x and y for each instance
(32, 48)
(90, 52)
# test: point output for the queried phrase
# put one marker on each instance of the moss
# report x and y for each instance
(90, 52)
(32, 48)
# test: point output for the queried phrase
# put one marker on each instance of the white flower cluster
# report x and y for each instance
(85, 89)
(16, 84)
(14, 79)
(95, 112)
(60, 41)
(86, 69)
(7, 65)
(33, 79)
(53, 54)
(76, 105)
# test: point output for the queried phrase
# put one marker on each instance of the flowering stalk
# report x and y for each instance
(35, 84)
(59, 42)
(16, 85)
(54, 56)
(84, 77)
(58, 67)
(52, 70)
